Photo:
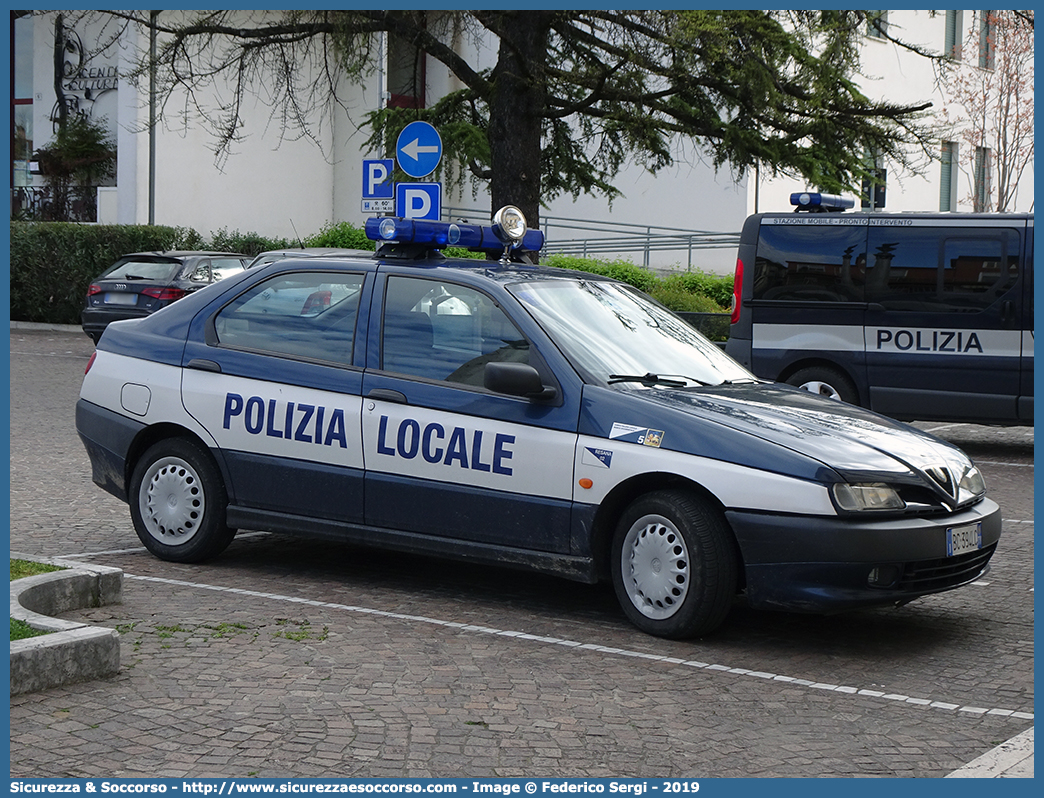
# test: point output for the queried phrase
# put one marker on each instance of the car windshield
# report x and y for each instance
(612, 333)
(143, 269)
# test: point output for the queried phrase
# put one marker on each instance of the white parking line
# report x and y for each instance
(466, 627)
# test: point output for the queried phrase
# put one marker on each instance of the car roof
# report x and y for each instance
(175, 254)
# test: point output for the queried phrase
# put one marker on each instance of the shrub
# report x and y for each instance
(343, 235)
(246, 243)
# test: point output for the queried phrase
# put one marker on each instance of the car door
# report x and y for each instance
(942, 328)
(445, 456)
(276, 383)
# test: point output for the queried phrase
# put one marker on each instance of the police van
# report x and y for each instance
(920, 316)
(508, 414)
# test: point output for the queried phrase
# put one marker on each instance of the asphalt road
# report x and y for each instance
(288, 657)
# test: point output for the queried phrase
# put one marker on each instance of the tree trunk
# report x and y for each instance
(516, 110)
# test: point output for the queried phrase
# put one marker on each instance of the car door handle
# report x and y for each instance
(388, 395)
(204, 365)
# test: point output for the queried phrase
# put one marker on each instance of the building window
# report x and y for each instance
(21, 100)
(877, 24)
(952, 45)
(981, 188)
(406, 75)
(986, 39)
(948, 177)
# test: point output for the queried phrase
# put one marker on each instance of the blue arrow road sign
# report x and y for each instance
(418, 149)
(418, 200)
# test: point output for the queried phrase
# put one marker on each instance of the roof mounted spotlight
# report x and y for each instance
(509, 226)
(814, 202)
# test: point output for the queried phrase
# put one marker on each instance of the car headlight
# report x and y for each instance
(866, 496)
(973, 482)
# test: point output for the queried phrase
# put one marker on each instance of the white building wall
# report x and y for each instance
(902, 77)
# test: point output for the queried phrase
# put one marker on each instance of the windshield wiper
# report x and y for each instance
(653, 379)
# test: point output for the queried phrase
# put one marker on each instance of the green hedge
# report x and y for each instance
(53, 263)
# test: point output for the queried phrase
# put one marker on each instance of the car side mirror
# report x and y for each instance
(517, 379)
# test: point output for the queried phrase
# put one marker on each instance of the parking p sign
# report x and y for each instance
(378, 189)
(418, 200)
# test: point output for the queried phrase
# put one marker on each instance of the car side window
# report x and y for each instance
(302, 314)
(444, 331)
(201, 272)
(220, 268)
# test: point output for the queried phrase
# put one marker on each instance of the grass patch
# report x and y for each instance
(20, 630)
(23, 568)
(20, 569)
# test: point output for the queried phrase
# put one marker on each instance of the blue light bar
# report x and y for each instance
(437, 235)
(826, 202)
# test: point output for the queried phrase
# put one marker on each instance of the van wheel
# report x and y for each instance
(177, 502)
(674, 565)
(825, 381)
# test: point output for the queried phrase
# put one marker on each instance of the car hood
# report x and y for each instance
(856, 443)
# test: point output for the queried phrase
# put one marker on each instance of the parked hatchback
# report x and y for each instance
(143, 282)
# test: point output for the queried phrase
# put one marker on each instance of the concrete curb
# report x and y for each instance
(36, 326)
(1012, 759)
(73, 652)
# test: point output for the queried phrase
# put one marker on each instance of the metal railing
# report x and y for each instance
(592, 238)
(43, 204)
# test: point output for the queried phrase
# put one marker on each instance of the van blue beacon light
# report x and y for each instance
(813, 200)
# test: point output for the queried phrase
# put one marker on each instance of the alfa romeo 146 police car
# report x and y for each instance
(515, 415)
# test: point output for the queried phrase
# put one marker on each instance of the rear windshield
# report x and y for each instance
(143, 269)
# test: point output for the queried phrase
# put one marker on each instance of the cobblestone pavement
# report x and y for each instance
(289, 657)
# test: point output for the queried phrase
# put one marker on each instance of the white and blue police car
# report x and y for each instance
(515, 415)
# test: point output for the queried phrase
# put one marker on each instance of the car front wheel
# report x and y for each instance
(178, 501)
(674, 565)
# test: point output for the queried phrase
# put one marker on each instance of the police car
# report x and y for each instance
(514, 415)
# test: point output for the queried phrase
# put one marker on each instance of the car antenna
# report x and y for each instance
(299, 241)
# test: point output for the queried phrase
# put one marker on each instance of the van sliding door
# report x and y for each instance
(943, 337)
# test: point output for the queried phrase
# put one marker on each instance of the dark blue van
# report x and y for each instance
(920, 316)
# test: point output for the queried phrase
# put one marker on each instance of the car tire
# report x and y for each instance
(825, 381)
(178, 501)
(674, 565)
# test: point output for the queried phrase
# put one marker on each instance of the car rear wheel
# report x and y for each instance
(825, 381)
(178, 501)
(674, 565)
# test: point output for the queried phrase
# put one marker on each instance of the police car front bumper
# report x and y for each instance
(816, 564)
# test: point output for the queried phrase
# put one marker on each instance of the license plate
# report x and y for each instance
(112, 298)
(962, 539)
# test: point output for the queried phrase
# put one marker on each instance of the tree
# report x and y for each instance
(74, 163)
(993, 83)
(572, 96)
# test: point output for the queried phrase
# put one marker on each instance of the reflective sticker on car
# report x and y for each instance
(629, 433)
(602, 458)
